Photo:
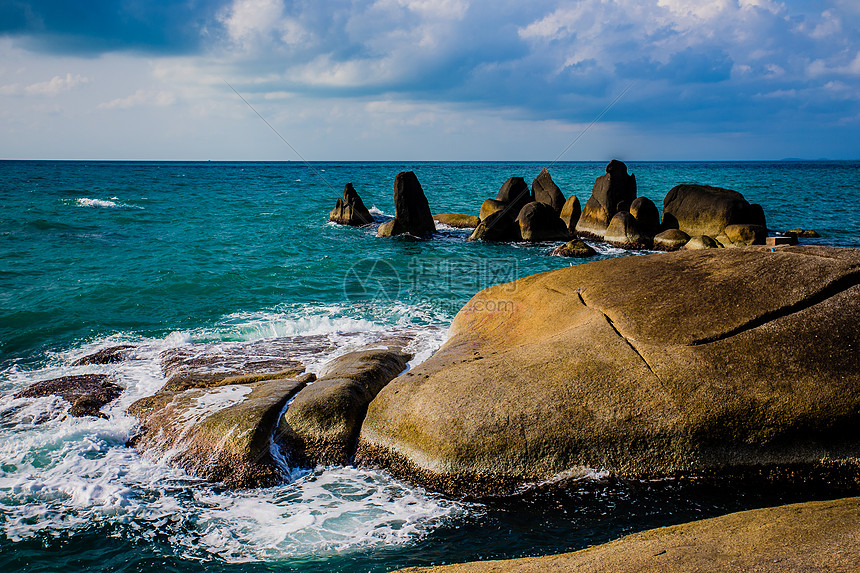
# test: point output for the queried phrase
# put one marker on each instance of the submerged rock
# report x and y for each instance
(656, 365)
(87, 393)
(109, 355)
(540, 222)
(322, 422)
(350, 210)
(544, 190)
(812, 536)
(411, 210)
(705, 210)
(574, 248)
(457, 220)
(613, 191)
(803, 233)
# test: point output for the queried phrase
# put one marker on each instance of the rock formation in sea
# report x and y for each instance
(684, 363)
(570, 212)
(705, 210)
(497, 226)
(612, 192)
(540, 222)
(515, 194)
(647, 216)
(411, 210)
(624, 232)
(350, 210)
(457, 220)
(574, 248)
(87, 393)
(544, 190)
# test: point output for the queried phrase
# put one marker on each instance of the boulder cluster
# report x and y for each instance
(694, 216)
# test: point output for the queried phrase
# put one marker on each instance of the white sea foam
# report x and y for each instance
(104, 204)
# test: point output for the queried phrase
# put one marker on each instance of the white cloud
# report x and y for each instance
(52, 87)
(141, 98)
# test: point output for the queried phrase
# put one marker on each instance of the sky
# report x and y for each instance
(430, 80)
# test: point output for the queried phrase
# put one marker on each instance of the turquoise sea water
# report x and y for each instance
(164, 254)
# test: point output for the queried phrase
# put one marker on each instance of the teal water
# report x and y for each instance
(164, 254)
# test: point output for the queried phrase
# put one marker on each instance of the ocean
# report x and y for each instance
(166, 254)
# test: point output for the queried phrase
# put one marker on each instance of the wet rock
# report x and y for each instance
(705, 210)
(803, 233)
(544, 190)
(647, 216)
(613, 191)
(684, 363)
(574, 248)
(411, 210)
(498, 226)
(350, 210)
(87, 393)
(623, 232)
(670, 240)
(322, 422)
(457, 220)
(109, 355)
(570, 212)
(540, 222)
(700, 242)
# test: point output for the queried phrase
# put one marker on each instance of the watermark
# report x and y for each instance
(372, 280)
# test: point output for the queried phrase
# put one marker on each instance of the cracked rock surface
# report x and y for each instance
(697, 362)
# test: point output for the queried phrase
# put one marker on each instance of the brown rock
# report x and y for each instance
(803, 233)
(350, 210)
(498, 226)
(109, 355)
(411, 210)
(670, 240)
(490, 206)
(87, 393)
(544, 190)
(700, 242)
(705, 210)
(570, 213)
(623, 232)
(457, 220)
(647, 216)
(540, 222)
(574, 248)
(610, 190)
(742, 235)
(514, 192)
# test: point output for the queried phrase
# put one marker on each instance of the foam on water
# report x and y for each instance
(61, 475)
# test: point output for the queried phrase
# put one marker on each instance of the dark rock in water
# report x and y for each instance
(574, 248)
(411, 210)
(647, 215)
(514, 192)
(684, 363)
(700, 242)
(540, 222)
(623, 232)
(570, 212)
(811, 536)
(322, 422)
(742, 235)
(498, 226)
(803, 233)
(610, 190)
(87, 393)
(221, 434)
(490, 206)
(457, 220)
(705, 210)
(109, 355)
(350, 210)
(544, 190)
(670, 240)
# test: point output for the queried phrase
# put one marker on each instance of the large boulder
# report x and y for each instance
(87, 393)
(623, 232)
(322, 422)
(540, 222)
(570, 212)
(411, 210)
(498, 226)
(221, 434)
(742, 235)
(812, 536)
(705, 210)
(647, 215)
(611, 192)
(490, 206)
(516, 193)
(457, 220)
(350, 210)
(670, 240)
(544, 190)
(684, 363)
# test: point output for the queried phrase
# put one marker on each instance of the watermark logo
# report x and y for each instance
(371, 280)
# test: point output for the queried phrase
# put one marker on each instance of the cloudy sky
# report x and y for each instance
(430, 79)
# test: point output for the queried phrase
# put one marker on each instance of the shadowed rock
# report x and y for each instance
(540, 222)
(498, 226)
(657, 365)
(570, 212)
(516, 193)
(623, 232)
(87, 393)
(705, 210)
(647, 216)
(109, 355)
(490, 206)
(411, 210)
(350, 210)
(613, 191)
(544, 190)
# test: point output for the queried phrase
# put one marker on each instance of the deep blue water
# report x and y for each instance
(163, 254)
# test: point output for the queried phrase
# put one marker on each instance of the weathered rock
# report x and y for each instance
(742, 235)
(752, 360)
(516, 193)
(544, 190)
(212, 365)
(87, 393)
(411, 210)
(574, 248)
(540, 222)
(812, 536)
(350, 210)
(109, 355)
(705, 210)
(457, 220)
(646, 214)
(623, 232)
(221, 434)
(803, 233)
(321, 424)
(490, 206)
(570, 212)
(609, 190)
(498, 226)
(670, 240)
(700, 242)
